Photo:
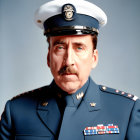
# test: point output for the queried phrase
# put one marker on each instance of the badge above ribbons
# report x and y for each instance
(101, 129)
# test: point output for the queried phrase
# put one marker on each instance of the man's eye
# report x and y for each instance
(79, 48)
(60, 47)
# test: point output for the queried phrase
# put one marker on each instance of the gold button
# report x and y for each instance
(117, 91)
(129, 95)
(104, 88)
(92, 104)
(44, 104)
(39, 21)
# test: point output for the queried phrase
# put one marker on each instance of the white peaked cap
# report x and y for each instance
(83, 7)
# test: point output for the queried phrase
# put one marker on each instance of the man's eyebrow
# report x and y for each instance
(58, 42)
(80, 44)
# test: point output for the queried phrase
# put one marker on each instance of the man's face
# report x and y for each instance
(71, 59)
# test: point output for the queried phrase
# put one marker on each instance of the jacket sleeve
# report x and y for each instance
(133, 132)
(6, 124)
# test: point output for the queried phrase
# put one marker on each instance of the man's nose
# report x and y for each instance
(69, 57)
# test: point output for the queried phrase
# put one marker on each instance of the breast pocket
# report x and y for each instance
(27, 137)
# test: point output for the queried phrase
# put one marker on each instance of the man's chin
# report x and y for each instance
(69, 86)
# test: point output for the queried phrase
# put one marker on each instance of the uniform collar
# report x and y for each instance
(76, 98)
(89, 94)
(72, 100)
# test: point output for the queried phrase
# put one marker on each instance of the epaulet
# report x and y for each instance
(27, 93)
(118, 92)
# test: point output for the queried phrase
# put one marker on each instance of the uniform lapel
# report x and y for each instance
(49, 113)
(92, 97)
(90, 106)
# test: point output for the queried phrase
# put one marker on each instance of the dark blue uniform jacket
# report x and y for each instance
(36, 116)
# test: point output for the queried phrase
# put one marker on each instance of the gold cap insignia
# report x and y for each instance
(68, 11)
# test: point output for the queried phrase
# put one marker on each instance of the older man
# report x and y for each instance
(72, 107)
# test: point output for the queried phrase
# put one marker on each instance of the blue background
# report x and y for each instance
(23, 48)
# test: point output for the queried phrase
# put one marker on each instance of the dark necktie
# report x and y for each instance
(68, 113)
(61, 104)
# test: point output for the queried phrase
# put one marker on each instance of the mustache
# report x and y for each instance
(67, 70)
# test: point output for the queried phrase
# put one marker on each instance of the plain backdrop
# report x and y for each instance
(23, 48)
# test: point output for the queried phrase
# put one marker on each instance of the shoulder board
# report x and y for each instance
(30, 93)
(22, 94)
(118, 92)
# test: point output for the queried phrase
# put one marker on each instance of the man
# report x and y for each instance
(72, 107)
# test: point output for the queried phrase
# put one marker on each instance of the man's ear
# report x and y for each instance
(95, 58)
(48, 58)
